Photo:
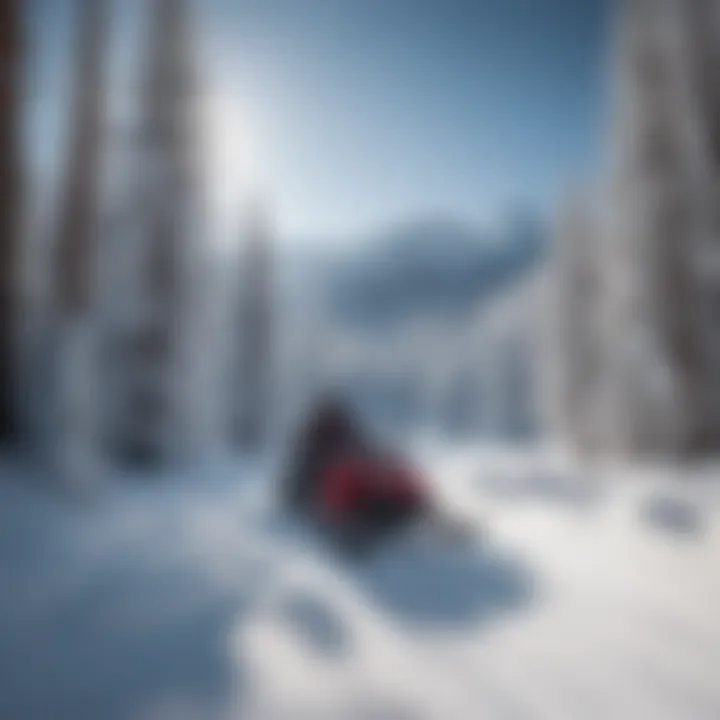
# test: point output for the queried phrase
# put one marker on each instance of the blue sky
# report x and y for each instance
(358, 113)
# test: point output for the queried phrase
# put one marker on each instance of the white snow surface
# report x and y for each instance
(586, 594)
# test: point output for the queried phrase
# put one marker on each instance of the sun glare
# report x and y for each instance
(233, 159)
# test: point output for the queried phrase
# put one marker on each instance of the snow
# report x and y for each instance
(588, 593)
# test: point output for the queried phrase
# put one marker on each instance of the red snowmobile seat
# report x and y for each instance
(359, 489)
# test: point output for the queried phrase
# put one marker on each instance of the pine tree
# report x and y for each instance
(153, 421)
(656, 185)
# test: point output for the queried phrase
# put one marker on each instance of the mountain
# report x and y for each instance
(434, 266)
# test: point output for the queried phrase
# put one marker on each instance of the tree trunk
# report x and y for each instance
(11, 49)
(75, 380)
(78, 222)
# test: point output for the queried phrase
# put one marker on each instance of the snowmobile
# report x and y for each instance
(356, 493)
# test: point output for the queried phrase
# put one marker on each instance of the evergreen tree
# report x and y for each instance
(153, 420)
(656, 189)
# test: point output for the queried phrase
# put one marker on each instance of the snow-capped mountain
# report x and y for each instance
(431, 267)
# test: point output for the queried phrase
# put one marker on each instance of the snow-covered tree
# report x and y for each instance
(153, 411)
(637, 282)
(657, 186)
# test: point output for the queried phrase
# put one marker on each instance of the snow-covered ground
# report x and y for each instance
(585, 596)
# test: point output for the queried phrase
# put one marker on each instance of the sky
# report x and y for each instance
(346, 115)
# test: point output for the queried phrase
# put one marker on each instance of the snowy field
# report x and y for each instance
(584, 597)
